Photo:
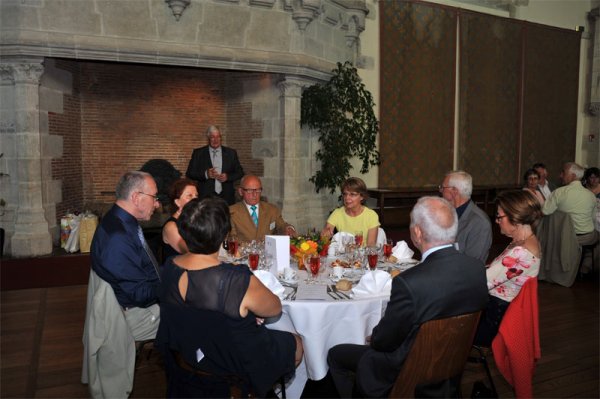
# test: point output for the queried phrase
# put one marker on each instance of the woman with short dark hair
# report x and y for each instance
(212, 313)
(181, 192)
(532, 179)
(354, 216)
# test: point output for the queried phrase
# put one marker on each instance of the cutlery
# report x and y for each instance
(335, 298)
(339, 293)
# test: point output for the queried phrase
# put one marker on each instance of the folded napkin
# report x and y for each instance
(402, 252)
(373, 283)
(337, 243)
(270, 281)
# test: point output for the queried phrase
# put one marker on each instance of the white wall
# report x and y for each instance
(560, 13)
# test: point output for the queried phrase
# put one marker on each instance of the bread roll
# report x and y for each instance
(392, 259)
(394, 273)
(343, 285)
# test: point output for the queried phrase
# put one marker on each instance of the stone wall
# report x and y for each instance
(295, 42)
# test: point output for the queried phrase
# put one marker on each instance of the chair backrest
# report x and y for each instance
(381, 236)
(439, 352)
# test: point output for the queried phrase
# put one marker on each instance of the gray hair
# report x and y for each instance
(576, 169)
(212, 128)
(462, 181)
(130, 182)
(437, 219)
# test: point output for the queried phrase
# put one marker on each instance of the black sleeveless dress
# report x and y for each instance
(209, 333)
(169, 251)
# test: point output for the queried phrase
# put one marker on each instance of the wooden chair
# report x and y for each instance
(439, 352)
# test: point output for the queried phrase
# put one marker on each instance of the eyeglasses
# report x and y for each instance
(499, 217)
(154, 197)
(252, 190)
(351, 194)
(441, 188)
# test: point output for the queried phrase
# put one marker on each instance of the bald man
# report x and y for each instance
(460, 287)
(252, 219)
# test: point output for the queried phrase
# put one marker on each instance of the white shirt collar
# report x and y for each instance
(432, 250)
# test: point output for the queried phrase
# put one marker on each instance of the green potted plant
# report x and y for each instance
(342, 111)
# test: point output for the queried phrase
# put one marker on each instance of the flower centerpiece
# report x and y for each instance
(311, 243)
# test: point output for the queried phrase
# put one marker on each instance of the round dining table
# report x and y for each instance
(324, 318)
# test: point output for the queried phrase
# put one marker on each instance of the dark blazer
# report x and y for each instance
(446, 284)
(201, 162)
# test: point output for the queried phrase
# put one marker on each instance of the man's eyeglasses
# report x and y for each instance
(154, 197)
(441, 188)
(499, 217)
(252, 190)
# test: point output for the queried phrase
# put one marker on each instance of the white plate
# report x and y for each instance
(351, 276)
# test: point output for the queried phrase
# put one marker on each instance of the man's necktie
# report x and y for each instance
(217, 183)
(254, 215)
(148, 250)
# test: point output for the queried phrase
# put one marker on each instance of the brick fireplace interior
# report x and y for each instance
(120, 115)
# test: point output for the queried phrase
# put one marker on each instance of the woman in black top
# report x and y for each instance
(181, 192)
(212, 314)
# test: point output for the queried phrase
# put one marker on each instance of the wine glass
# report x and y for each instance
(387, 248)
(313, 264)
(372, 257)
(358, 238)
(232, 245)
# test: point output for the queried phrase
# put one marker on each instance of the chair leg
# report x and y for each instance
(282, 382)
(483, 360)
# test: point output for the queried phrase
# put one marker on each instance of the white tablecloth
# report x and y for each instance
(324, 324)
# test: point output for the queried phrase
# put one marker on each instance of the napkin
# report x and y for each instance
(337, 243)
(270, 281)
(373, 283)
(402, 252)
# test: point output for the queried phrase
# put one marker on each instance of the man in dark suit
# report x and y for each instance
(446, 283)
(215, 167)
(252, 219)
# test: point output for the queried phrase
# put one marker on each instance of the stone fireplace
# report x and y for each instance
(91, 89)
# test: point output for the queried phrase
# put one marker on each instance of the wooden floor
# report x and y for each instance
(41, 349)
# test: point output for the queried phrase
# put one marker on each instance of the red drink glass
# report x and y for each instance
(232, 246)
(372, 261)
(253, 261)
(387, 250)
(315, 264)
(358, 239)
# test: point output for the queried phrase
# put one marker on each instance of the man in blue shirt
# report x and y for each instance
(121, 256)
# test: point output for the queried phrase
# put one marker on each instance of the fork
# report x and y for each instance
(330, 293)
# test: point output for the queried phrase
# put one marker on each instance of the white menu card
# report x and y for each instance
(277, 248)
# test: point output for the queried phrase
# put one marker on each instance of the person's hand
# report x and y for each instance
(291, 231)
(222, 177)
(212, 173)
(260, 321)
(368, 340)
(326, 232)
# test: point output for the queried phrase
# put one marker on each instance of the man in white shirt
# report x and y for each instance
(544, 186)
(577, 201)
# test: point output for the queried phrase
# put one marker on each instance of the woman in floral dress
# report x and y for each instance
(518, 214)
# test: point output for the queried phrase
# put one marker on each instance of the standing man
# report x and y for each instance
(215, 167)
(460, 288)
(252, 219)
(578, 202)
(474, 236)
(121, 256)
(544, 186)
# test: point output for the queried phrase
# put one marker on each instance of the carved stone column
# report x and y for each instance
(31, 236)
(302, 206)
